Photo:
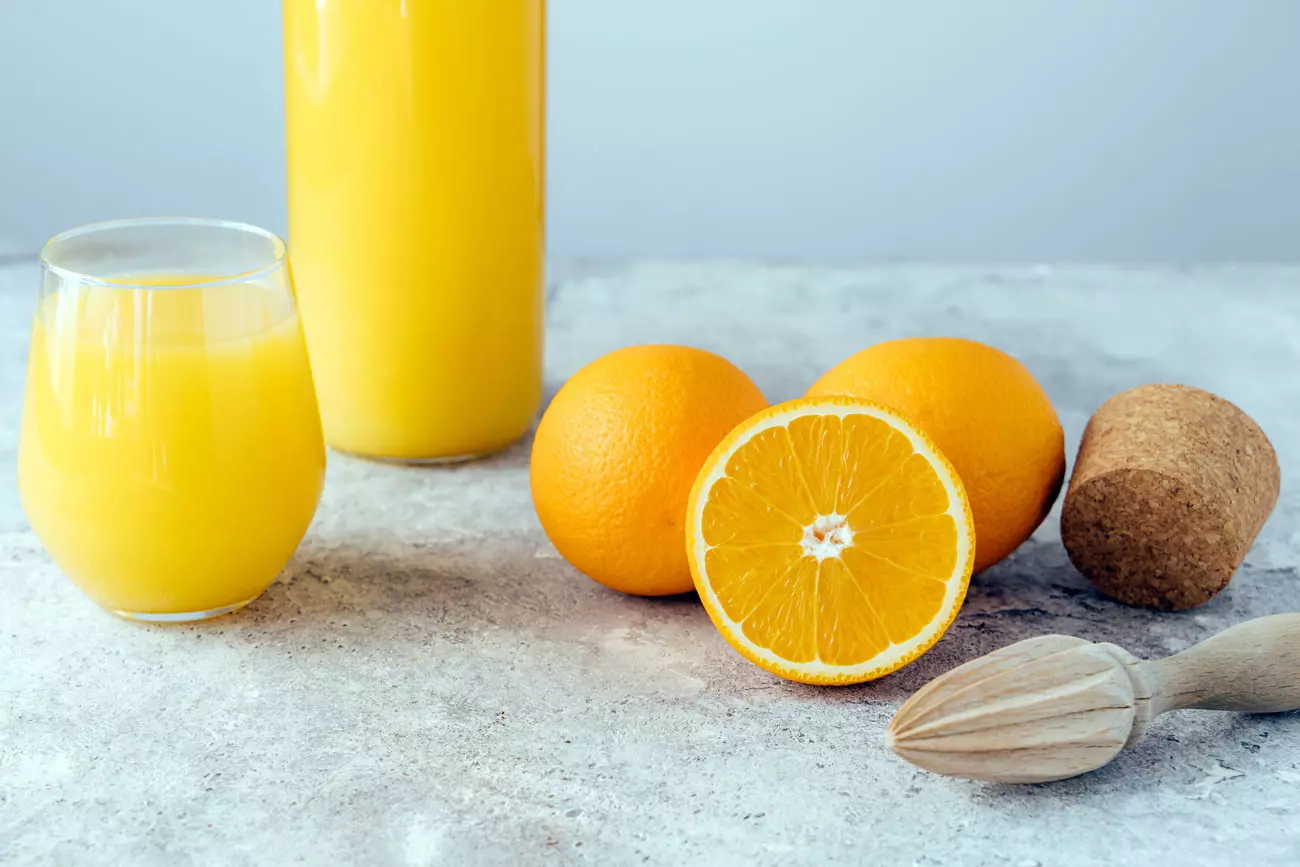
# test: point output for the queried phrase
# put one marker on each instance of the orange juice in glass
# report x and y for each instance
(415, 153)
(170, 456)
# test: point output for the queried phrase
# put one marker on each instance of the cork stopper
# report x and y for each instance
(1170, 488)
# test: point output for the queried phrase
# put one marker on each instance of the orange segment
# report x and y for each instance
(830, 541)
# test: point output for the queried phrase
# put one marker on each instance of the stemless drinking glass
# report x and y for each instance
(171, 454)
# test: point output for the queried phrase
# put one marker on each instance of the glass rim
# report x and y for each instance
(278, 260)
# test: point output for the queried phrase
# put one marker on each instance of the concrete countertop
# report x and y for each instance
(428, 683)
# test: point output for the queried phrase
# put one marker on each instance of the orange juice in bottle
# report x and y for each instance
(416, 136)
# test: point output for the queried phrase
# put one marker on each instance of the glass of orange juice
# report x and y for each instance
(171, 454)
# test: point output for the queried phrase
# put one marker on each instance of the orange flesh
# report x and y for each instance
(853, 490)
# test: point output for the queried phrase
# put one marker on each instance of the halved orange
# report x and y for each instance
(830, 540)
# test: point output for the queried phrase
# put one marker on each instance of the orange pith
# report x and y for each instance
(830, 541)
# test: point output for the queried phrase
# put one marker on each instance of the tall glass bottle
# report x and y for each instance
(416, 138)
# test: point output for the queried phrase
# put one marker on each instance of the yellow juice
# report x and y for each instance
(171, 454)
(415, 156)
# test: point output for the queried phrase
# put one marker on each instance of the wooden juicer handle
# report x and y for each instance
(1253, 667)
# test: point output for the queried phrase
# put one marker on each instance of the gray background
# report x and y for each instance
(835, 130)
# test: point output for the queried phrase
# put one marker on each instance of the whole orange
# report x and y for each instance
(617, 452)
(985, 412)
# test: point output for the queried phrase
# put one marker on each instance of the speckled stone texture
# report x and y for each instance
(429, 683)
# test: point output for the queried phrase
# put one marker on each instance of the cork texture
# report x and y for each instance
(1170, 488)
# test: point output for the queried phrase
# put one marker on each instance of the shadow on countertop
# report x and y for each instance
(454, 590)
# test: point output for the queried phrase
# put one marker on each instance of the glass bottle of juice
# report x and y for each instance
(416, 136)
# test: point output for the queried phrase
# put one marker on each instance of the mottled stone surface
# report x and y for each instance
(429, 684)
